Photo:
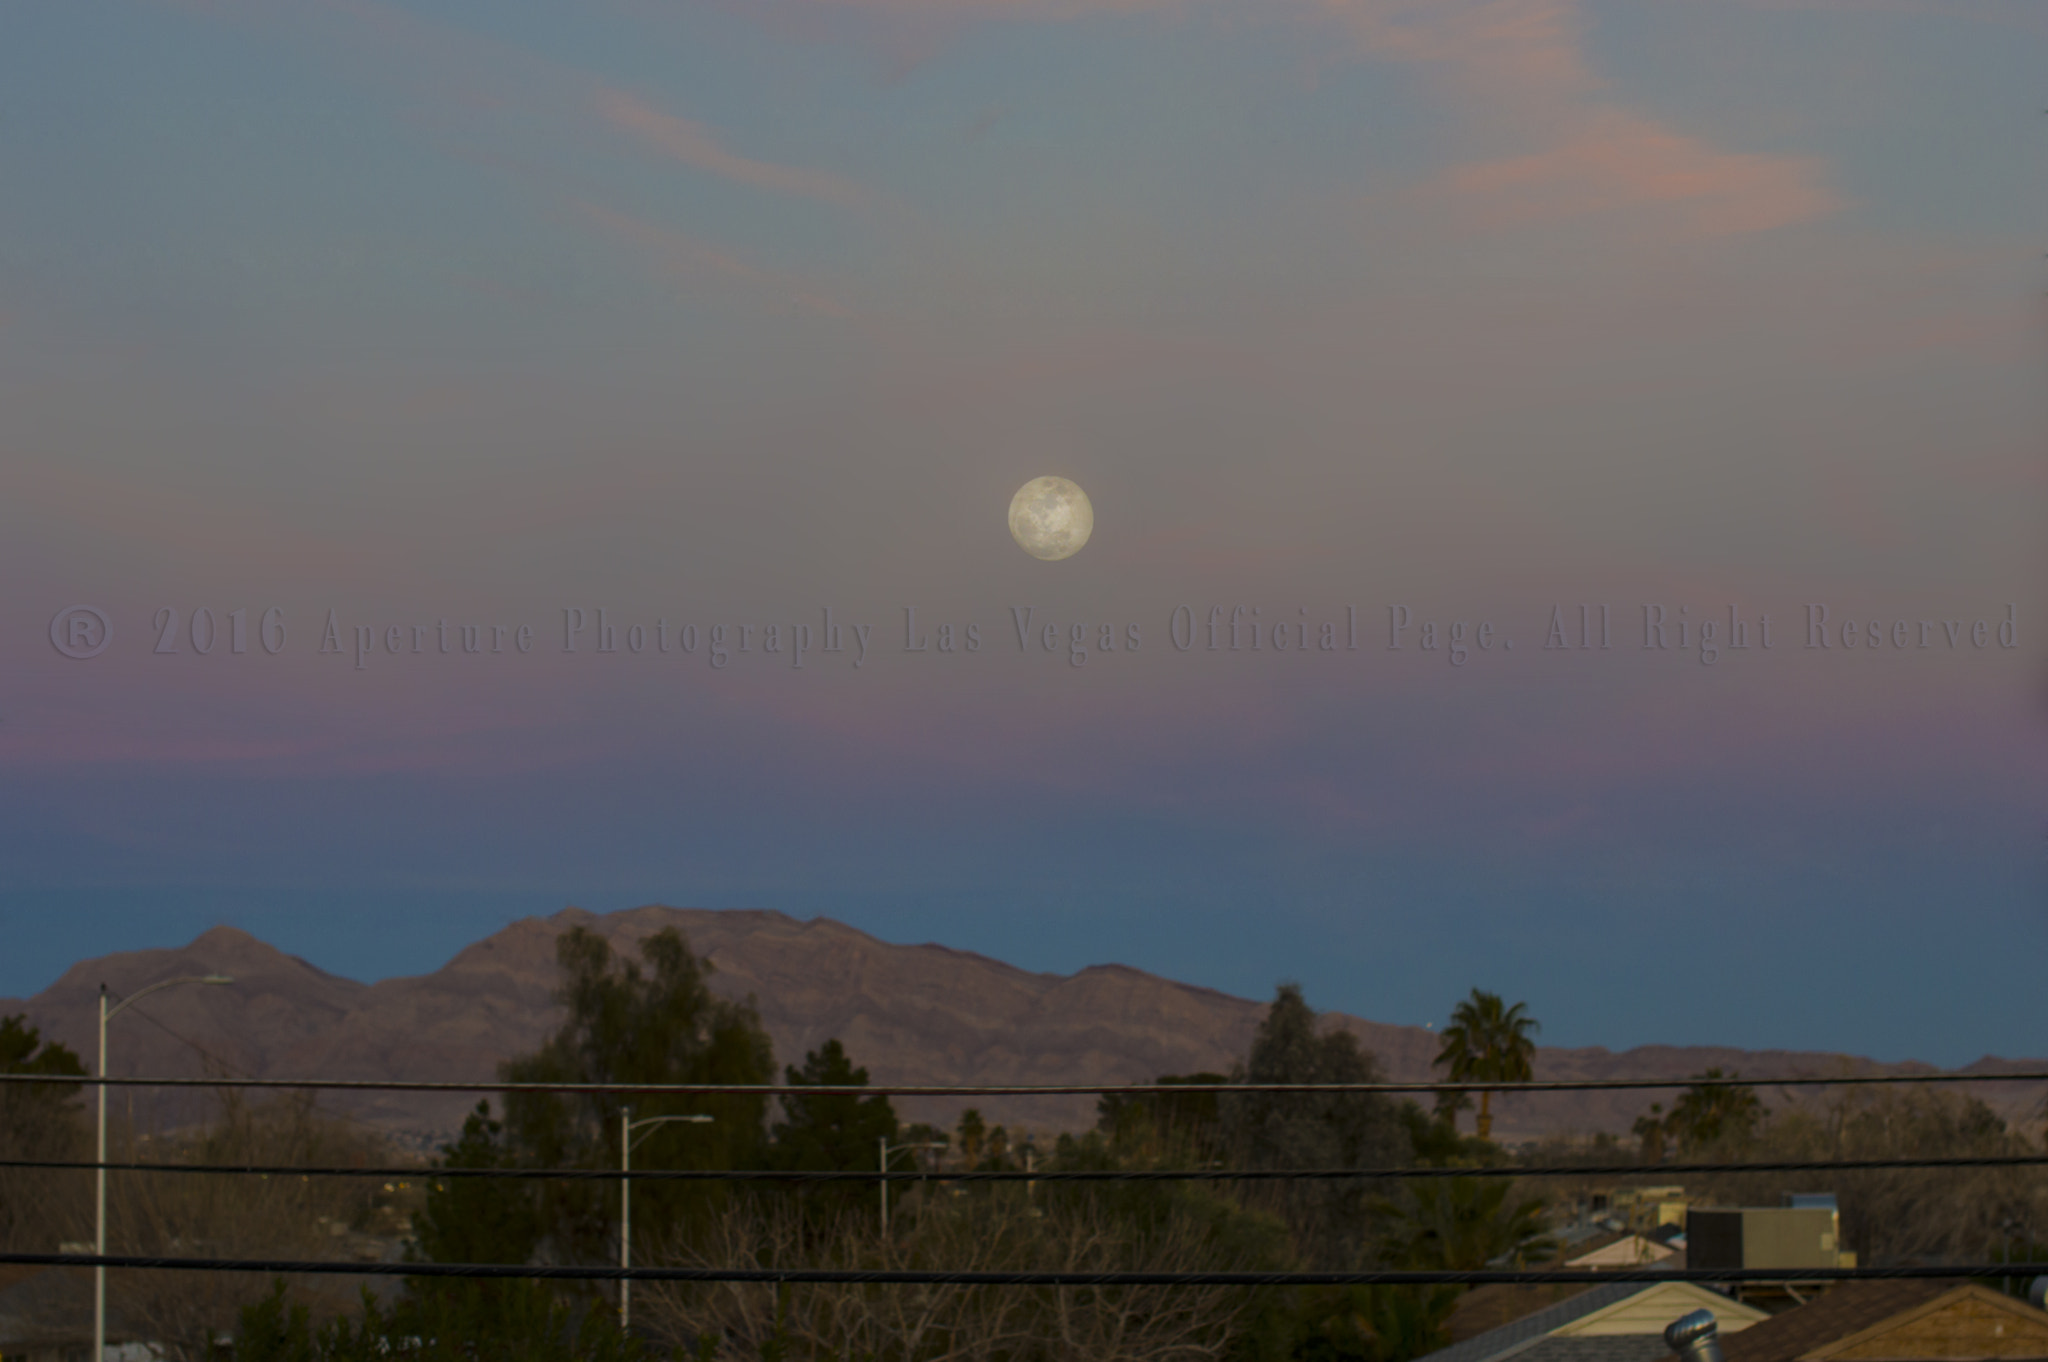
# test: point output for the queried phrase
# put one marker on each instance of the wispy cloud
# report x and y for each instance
(1617, 162)
(683, 256)
(1500, 49)
(1519, 75)
(697, 146)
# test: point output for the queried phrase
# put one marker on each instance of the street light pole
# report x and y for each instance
(627, 1125)
(886, 1152)
(99, 1233)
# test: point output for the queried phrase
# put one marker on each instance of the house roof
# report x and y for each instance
(1509, 1338)
(1655, 1305)
(1622, 1250)
(1847, 1309)
(1966, 1321)
(1595, 1348)
(1619, 1323)
(1497, 1303)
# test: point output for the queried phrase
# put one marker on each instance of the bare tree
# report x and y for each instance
(951, 1322)
(232, 1216)
(1899, 1215)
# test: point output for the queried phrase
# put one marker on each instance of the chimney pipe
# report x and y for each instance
(1693, 1338)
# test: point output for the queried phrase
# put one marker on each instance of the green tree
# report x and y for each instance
(1438, 1144)
(832, 1132)
(1462, 1224)
(1165, 1128)
(971, 1138)
(38, 1121)
(1314, 1129)
(1354, 1324)
(530, 1327)
(476, 1220)
(1489, 1042)
(653, 1021)
(1652, 1129)
(1708, 1113)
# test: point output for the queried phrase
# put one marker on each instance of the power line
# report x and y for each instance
(1030, 1089)
(427, 1173)
(232, 1069)
(910, 1277)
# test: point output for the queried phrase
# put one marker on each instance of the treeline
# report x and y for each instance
(651, 1019)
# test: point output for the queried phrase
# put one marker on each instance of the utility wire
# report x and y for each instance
(234, 1071)
(427, 1173)
(1032, 1089)
(861, 1276)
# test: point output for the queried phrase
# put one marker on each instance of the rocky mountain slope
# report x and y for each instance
(913, 1014)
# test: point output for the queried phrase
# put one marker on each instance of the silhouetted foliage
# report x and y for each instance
(833, 1133)
(530, 1326)
(628, 1024)
(1160, 1129)
(1491, 1042)
(39, 1121)
(1312, 1130)
(1713, 1114)
(1464, 1224)
(476, 1220)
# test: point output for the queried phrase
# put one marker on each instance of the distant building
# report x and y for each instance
(1790, 1238)
(1624, 1248)
(1632, 1208)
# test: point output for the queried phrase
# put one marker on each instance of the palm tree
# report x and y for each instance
(1491, 1043)
(1464, 1224)
(1653, 1129)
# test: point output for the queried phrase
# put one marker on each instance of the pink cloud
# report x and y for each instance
(684, 256)
(694, 145)
(1618, 161)
(1496, 49)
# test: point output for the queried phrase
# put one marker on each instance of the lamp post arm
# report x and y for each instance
(887, 1153)
(644, 1122)
(140, 994)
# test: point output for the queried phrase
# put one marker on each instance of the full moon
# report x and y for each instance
(1050, 518)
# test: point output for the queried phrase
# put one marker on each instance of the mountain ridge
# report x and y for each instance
(922, 1014)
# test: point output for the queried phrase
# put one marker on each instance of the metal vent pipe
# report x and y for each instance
(1694, 1337)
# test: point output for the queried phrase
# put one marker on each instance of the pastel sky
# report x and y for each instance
(418, 321)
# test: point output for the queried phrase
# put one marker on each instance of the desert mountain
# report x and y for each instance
(910, 1014)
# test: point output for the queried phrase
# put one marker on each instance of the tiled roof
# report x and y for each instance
(1836, 1313)
(1511, 1338)
(1498, 1303)
(1595, 1243)
(1597, 1348)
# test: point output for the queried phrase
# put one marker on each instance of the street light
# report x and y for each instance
(627, 1125)
(99, 1234)
(887, 1152)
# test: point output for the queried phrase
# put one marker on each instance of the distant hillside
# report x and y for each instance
(911, 1014)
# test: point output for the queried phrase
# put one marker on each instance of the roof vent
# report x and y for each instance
(1693, 1338)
